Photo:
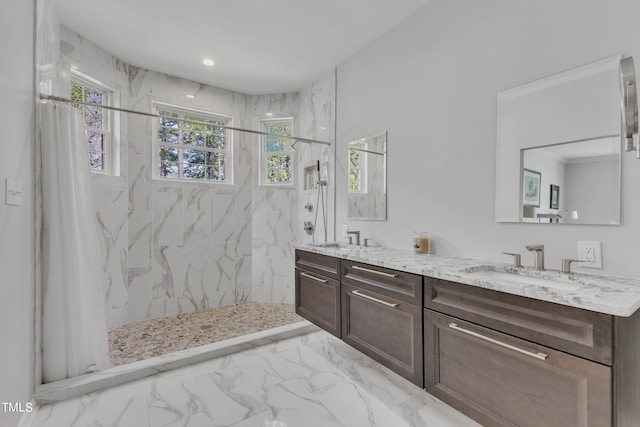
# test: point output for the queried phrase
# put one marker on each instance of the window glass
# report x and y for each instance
(96, 122)
(192, 145)
(277, 155)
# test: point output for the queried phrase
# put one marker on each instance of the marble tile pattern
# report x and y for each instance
(605, 294)
(176, 247)
(317, 121)
(310, 380)
(154, 337)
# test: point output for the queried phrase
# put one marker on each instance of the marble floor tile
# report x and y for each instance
(310, 380)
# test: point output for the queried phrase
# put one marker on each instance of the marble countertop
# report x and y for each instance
(611, 295)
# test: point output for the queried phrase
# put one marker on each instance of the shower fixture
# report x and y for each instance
(308, 227)
(629, 106)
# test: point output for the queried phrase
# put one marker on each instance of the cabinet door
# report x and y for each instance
(386, 329)
(500, 380)
(318, 300)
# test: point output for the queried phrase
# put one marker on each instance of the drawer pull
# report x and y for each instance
(317, 279)
(368, 270)
(540, 356)
(388, 304)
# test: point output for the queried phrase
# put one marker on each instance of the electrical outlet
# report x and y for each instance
(591, 252)
(345, 230)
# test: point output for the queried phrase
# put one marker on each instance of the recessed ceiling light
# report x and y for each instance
(269, 114)
(190, 96)
(208, 62)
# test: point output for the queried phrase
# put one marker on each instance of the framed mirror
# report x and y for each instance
(367, 178)
(558, 149)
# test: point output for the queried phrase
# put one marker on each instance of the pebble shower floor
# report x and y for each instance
(155, 337)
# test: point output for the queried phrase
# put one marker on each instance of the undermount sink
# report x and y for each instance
(553, 280)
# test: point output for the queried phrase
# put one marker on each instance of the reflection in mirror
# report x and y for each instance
(575, 182)
(367, 186)
(558, 148)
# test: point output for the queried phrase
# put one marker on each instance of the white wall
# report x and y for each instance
(432, 83)
(17, 253)
(591, 184)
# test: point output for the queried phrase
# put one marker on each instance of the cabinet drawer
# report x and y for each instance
(320, 264)
(318, 300)
(403, 286)
(386, 329)
(500, 380)
(581, 332)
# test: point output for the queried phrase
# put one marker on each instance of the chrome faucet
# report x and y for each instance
(566, 264)
(355, 233)
(539, 256)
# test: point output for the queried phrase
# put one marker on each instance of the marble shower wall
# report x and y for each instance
(190, 243)
(172, 247)
(274, 214)
(316, 118)
(278, 213)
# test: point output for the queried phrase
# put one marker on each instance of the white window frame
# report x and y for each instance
(110, 124)
(182, 111)
(362, 167)
(264, 127)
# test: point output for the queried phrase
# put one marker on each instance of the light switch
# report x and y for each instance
(13, 192)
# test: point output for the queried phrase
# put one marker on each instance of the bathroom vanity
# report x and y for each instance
(510, 348)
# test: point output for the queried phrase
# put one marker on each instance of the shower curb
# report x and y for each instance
(89, 383)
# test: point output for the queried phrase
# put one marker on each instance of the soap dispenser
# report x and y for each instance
(420, 242)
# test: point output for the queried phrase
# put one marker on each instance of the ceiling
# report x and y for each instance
(258, 46)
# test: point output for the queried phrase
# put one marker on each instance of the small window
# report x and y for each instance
(357, 167)
(276, 154)
(96, 120)
(191, 145)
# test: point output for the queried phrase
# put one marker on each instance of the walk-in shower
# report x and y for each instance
(173, 246)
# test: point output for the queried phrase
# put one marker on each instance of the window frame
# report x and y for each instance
(111, 152)
(264, 126)
(182, 111)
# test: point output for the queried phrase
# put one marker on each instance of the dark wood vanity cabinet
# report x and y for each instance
(382, 317)
(502, 359)
(506, 360)
(317, 293)
(500, 380)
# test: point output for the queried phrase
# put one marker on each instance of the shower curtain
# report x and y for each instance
(74, 331)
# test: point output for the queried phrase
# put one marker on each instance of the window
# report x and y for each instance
(276, 154)
(357, 167)
(96, 120)
(193, 151)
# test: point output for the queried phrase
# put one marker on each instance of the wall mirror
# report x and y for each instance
(558, 148)
(367, 184)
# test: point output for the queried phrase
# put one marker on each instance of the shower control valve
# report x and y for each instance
(309, 206)
(308, 227)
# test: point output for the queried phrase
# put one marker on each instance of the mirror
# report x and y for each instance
(558, 148)
(367, 186)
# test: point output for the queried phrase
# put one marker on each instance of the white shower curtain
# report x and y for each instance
(74, 331)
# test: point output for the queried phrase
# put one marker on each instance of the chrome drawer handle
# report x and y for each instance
(388, 304)
(368, 270)
(308, 276)
(540, 356)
